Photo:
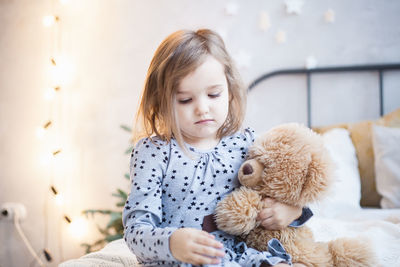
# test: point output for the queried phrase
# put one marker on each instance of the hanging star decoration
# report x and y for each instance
(242, 59)
(231, 9)
(294, 6)
(264, 22)
(222, 32)
(280, 36)
(329, 16)
(311, 62)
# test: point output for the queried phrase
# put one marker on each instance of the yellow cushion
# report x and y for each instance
(361, 135)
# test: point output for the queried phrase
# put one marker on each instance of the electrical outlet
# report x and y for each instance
(10, 210)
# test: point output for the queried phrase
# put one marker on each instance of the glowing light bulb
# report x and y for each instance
(50, 157)
(45, 159)
(40, 132)
(62, 70)
(50, 93)
(78, 227)
(59, 199)
(49, 20)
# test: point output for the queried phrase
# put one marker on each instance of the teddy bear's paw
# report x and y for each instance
(236, 214)
(349, 252)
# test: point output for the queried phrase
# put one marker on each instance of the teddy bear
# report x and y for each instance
(289, 164)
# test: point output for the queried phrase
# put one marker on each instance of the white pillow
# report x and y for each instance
(345, 193)
(386, 145)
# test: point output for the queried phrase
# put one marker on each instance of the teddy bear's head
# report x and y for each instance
(288, 163)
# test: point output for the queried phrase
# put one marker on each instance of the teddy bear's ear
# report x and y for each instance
(318, 178)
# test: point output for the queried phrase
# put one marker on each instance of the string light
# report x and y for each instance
(78, 227)
(48, 157)
(50, 93)
(58, 198)
(56, 73)
(50, 20)
(61, 71)
(41, 131)
(47, 255)
(67, 219)
(45, 159)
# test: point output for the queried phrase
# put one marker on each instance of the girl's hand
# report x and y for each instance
(276, 215)
(194, 246)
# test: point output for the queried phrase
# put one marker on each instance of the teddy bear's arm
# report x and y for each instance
(236, 214)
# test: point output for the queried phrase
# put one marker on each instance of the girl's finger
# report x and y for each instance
(271, 225)
(199, 259)
(268, 202)
(207, 241)
(264, 214)
(204, 233)
(267, 223)
(208, 251)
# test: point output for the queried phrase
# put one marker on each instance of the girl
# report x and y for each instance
(191, 111)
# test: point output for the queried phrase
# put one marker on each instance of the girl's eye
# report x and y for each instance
(185, 101)
(214, 95)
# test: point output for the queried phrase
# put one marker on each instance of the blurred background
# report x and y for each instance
(71, 73)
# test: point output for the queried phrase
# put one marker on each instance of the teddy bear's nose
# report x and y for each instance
(247, 169)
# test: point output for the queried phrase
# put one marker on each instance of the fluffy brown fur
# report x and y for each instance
(290, 164)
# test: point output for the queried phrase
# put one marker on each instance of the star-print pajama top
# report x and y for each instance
(171, 190)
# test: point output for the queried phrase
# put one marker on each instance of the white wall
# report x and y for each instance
(110, 43)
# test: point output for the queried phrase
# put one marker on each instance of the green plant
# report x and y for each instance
(114, 228)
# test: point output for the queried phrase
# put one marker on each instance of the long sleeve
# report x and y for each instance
(304, 217)
(171, 190)
(142, 215)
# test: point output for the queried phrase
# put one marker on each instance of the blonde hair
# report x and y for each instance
(177, 56)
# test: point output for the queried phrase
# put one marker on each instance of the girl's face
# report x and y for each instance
(202, 104)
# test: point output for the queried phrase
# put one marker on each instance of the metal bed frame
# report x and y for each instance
(380, 68)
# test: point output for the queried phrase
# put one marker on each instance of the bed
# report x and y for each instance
(364, 201)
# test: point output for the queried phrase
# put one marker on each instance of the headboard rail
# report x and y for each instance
(380, 68)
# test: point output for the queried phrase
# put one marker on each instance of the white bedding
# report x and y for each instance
(114, 254)
(383, 235)
(381, 227)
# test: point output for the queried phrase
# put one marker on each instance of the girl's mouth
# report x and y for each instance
(204, 121)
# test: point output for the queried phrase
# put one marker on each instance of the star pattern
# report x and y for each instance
(170, 190)
(231, 9)
(329, 16)
(242, 59)
(264, 22)
(280, 36)
(294, 6)
(311, 62)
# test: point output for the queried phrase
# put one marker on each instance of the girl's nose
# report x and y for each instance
(202, 107)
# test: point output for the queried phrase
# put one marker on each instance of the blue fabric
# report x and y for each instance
(239, 254)
(275, 254)
(305, 216)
